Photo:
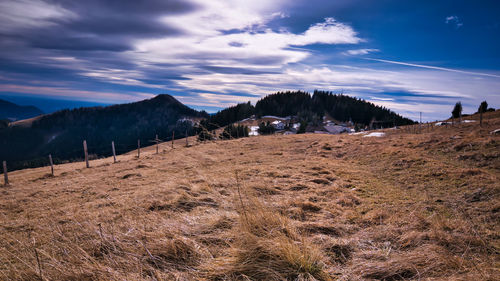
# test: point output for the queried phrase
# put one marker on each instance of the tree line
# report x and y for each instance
(309, 109)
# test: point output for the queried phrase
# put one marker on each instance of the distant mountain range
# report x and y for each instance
(12, 111)
(27, 143)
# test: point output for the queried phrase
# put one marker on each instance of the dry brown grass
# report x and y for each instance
(305, 207)
(267, 247)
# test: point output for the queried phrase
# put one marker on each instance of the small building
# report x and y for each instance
(278, 125)
(335, 129)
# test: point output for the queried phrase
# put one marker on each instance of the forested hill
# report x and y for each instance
(340, 107)
(310, 108)
(62, 133)
(13, 111)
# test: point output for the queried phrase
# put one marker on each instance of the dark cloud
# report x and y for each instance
(123, 17)
(266, 60)
(79, 43)
(121, 26)
(93, 34)
(97, 25)
(150, 7)
(40, 70)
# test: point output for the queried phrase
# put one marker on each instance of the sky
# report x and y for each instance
(409, 56)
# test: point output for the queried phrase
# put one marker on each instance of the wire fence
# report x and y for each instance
(95, 151)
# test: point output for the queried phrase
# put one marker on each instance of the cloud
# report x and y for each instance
(25, 14)
(68, 93)
(436, 68)
(91, 25)
(208, 53)
(405, 90)
(328, 32)
(454, 20)
(246, 48)
(360, 52)
(172, 38)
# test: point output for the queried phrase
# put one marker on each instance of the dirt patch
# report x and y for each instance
(298, 187)
(321, 181)
(131, 175)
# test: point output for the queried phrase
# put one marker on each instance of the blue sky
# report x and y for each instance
(410, 56)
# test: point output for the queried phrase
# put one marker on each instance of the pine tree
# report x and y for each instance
(302, 128)
(266, 128)
(483, 107)
(205, 135)
(457, 110)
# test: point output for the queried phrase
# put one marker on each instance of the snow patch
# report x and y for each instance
(375, 134)
(276, 117)
(254, 131)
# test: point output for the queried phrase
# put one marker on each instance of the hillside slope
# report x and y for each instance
(300, 207)
(62, 133)
(9, 110)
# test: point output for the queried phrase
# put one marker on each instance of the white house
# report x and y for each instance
(278, 125)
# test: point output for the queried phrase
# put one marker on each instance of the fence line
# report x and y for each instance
(411, 129)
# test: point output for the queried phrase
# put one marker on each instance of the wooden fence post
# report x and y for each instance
(114, 152)
(5, 176)
(187, 143)
(156, 139)
(173, 137)
(51, 164)
(420, 123)
(480, 117)
(138, 148)
(86, 153)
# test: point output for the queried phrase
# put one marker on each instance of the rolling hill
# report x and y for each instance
(12, 111)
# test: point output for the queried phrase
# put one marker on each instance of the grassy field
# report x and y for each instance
(300, 207)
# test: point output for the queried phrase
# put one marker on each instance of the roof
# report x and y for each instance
(335, 129)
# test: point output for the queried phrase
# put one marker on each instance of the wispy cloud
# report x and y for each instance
(68, 93)
(25, 14)
(436, 68)
(360, 52)
(454, 20)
